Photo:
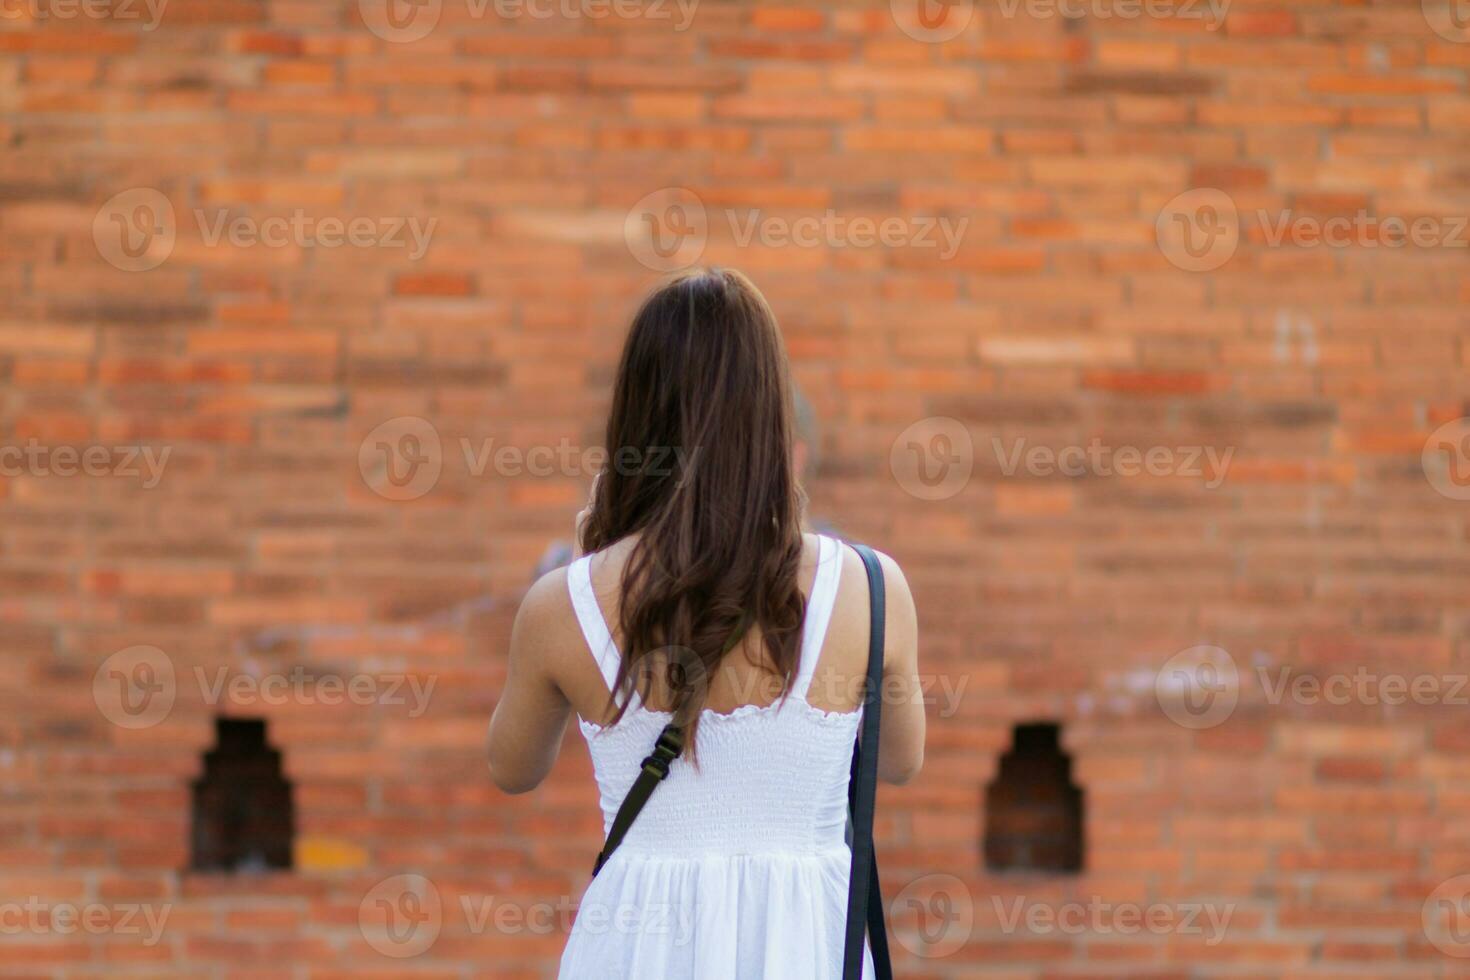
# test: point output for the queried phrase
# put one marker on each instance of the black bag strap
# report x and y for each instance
(655, 770)
(865, 897)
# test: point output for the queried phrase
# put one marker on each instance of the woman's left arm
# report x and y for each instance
(531, 717)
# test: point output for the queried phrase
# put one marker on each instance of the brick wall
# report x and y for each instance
(210, 225)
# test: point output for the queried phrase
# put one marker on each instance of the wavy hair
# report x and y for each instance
(703, 386)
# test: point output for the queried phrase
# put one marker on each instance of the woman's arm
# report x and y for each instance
(531, 718)
(901, 738)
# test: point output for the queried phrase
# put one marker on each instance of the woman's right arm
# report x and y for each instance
(901, 739)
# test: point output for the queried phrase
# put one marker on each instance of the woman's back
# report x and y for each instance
(737, 868)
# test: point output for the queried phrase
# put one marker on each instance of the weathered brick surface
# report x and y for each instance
(1322, 547)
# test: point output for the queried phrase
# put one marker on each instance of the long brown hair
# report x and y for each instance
(704, 387)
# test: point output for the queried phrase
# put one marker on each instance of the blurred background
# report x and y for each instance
(1136, 330)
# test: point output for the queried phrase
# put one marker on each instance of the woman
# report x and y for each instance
(701, 601)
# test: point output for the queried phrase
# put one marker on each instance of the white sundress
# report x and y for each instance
(738, 871)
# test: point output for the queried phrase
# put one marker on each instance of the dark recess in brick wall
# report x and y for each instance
(1033, 810)
(243, 819)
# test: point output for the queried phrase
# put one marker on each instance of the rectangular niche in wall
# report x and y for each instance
(243, 817)
(1033, 811)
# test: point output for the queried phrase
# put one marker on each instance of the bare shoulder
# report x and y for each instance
(545, 626)
(901, 620)
(894, 582)
(546, 600)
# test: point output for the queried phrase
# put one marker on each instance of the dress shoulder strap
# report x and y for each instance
(594, 624)
(819, 604)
